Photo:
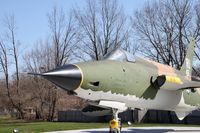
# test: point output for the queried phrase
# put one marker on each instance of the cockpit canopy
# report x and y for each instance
(120, 55)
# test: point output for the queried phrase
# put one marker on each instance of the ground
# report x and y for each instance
(7, 125)
(140, 130)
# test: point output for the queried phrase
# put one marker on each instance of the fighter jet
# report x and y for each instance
(122, 81)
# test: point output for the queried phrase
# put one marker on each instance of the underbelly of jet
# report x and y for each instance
(164, 100)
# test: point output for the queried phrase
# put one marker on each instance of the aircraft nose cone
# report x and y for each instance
(68, 77)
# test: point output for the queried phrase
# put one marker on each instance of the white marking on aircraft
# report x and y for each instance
(165, 100)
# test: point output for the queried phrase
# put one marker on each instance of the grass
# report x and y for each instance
(8, 124)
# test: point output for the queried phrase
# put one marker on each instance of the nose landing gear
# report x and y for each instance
(115, 124)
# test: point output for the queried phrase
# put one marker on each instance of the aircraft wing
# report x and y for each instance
(92, 110)
(103, 107)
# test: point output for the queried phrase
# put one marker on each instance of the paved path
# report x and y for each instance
(139, 130)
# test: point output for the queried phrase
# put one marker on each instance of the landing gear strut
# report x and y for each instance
(115, 124)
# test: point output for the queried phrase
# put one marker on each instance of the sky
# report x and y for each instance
(31, 15)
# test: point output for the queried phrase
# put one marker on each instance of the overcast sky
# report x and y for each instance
(31, 15)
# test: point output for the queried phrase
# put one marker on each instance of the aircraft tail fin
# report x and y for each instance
(186, 68)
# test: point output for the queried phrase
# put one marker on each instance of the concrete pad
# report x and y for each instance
(139, 130)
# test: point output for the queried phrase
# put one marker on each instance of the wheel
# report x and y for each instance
(115, 124)
(114, 131)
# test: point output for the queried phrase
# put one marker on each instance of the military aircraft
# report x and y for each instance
(121, 82)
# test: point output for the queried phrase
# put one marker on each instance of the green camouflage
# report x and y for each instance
(121, 82)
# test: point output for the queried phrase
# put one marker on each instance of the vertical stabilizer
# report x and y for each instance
(186, 68)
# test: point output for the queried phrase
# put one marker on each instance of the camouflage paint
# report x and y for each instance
(192, 98)
(120, 77)
(127, 78)
(140, 84)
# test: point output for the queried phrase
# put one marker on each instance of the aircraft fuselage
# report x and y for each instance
(130, 83)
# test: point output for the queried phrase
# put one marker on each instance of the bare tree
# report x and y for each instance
(38, 60)
(4, 67)
(56, 51)
(11, 29)
(164, 29)
(11, 37)
(196, 33)
(63, 34)
(64, 40)
(102, 27)
(8, 52)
